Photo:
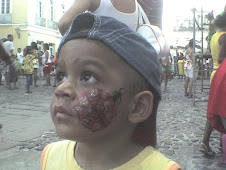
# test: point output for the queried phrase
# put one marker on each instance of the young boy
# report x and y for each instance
(106, 99)
(28, 67)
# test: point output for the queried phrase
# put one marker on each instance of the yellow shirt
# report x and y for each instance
(28, 64)
(59, 156)
(215, 49)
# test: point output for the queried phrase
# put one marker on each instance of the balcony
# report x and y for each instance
(5, 18)
(40, 21)
(52, 25)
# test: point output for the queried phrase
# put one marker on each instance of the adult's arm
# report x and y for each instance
(76, 8)
(222, 52)
(4, 56)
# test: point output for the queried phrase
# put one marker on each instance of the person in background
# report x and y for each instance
(36, 67)
(218, 51)
(35, 62)
(189, 70)
(4, 57)
(20, 57)
(53, 73)
(13, 71)
(166, 70)
(47, 64)
(9, 48)
(40, 70)
(216, 112)
(28, 67)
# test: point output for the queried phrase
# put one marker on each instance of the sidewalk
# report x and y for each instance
(27, 128)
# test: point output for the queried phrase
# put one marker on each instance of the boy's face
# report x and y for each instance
(91, 99)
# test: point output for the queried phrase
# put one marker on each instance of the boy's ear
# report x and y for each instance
(142, 107)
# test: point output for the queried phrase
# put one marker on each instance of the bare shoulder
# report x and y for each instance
(222, 39)
(94, 5)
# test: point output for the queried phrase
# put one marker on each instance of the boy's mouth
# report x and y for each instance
(61, 112)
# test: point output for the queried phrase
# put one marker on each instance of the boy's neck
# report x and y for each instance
(108, 154)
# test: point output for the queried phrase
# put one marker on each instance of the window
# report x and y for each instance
(5, 6)
(51, 49)
(40, 9)
(63, 7)
(51, 11)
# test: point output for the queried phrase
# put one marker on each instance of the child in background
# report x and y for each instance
(34, 47)
(36, 67)
(28, 67)
(106, 99)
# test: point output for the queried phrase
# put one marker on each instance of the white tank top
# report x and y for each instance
(44, 58)
(106, 8)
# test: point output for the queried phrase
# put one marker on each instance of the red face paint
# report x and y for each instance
(95, 109)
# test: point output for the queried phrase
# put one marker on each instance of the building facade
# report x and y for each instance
(31, 21)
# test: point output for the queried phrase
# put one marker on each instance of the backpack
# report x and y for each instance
(152, 34)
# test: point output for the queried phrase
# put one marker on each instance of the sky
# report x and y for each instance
(174, 8)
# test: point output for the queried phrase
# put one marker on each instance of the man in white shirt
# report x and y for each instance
(9, 48)
(8, 45)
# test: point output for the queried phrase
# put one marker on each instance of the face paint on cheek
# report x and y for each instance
(95, 109)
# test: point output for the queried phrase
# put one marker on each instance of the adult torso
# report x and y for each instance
(8, 46)
(112, 8)
(215, 47)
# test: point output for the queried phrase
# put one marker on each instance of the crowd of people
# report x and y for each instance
(30, 63)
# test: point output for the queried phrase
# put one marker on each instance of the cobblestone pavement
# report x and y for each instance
(27, 127)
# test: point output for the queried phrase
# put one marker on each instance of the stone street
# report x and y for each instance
(27, 127)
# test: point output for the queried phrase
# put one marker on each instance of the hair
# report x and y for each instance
(9, 36)
(46, 46)
(220, 21)
(29, 50)
(34, 45)
(190, 44)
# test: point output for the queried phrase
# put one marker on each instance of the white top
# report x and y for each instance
(44, 58)
(106, 8)
(8, 46)
(173, 54)
(20, 57)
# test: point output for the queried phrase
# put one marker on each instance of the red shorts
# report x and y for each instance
(48, 69)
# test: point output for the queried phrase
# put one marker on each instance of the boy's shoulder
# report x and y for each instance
(146, 159)
(56, 152)
(151, 159)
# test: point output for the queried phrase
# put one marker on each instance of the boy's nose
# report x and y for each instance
(65, 90)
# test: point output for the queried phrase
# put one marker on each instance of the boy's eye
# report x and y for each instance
(89, 77)
(60, 76)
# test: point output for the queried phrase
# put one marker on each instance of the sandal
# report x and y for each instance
(207, 151)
